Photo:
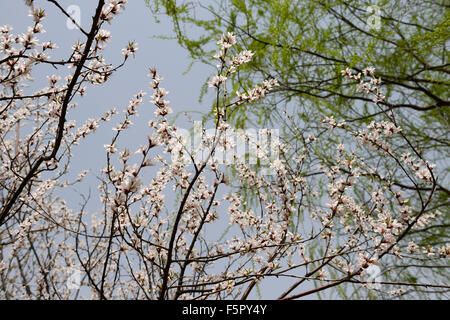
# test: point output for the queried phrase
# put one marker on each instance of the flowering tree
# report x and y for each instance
(214, 242)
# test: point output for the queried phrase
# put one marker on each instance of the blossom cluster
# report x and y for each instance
(228, 66)
(368, 86)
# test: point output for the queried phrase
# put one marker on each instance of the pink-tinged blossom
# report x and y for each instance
(5, 29)
(322, 275)
(48, 45)
(130, 49)
(412, 247)
(110, 148)
(429, 251)
(444, 251)
(347, 73)
(242, 58)
(227, 40)
(367, 86)
(217, 81)
(103, 36)
(368, 70)
(37, 14)
(397, 292)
